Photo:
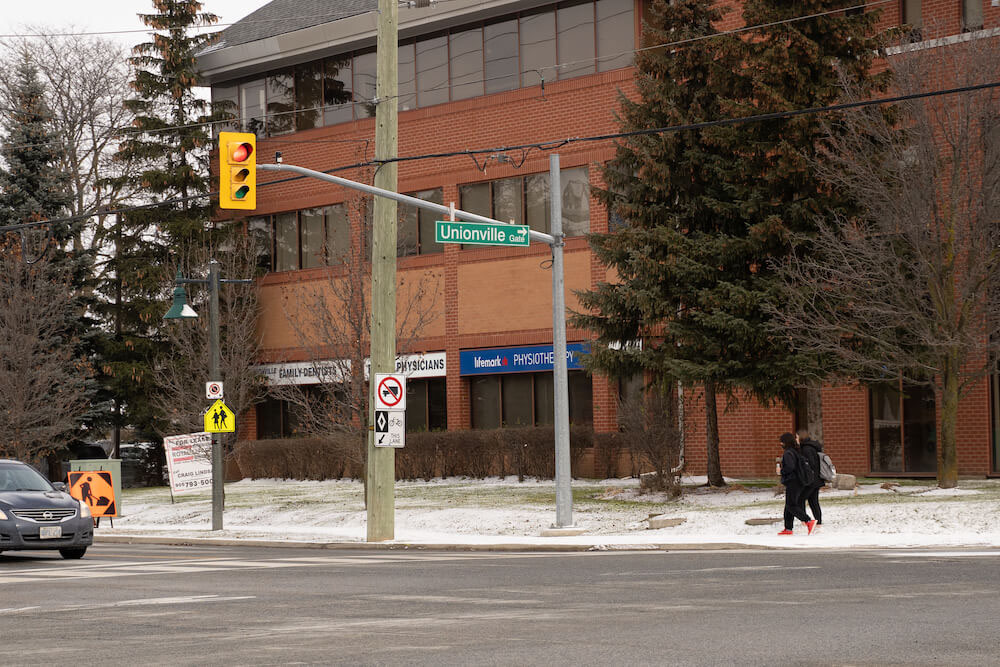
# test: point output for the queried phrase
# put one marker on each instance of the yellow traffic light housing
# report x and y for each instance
(238, 170)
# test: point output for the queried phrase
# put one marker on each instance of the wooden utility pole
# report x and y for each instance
(381, 467)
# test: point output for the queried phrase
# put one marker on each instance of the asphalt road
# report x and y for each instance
(163, 605)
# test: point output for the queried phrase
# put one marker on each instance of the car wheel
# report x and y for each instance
(72, 553)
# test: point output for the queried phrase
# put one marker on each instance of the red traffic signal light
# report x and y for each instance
(237, 170)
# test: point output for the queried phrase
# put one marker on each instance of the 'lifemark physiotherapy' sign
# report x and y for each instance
(526, 359)
(481, 233)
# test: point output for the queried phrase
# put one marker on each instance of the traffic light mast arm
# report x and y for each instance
(541, 237)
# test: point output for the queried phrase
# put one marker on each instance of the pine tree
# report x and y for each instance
(707, 210)
(666, 187)
(31, 187)
(149, 244)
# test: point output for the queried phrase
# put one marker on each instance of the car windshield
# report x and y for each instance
(22, 478)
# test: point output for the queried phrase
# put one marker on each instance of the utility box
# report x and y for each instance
(114, 466)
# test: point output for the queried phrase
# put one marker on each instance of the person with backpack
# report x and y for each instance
(795, 475)
(811, 451)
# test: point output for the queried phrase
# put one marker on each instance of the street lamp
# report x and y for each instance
(180, 310)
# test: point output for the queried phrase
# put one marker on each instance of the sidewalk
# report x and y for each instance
(510, 515)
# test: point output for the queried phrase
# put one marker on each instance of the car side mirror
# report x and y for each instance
(59, 486)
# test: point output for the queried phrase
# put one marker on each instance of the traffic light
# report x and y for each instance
(237, 170)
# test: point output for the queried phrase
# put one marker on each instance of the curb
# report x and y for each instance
(408, 546)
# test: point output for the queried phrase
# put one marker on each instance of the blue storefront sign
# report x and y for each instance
(526, 359)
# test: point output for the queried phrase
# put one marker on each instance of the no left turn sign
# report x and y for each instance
(390, 391)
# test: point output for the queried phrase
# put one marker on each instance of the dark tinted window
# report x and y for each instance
(466, 55)
(337, 87)
(308, 95)
(500, 40)
(538, 47)
(575, 40)
(432, 71)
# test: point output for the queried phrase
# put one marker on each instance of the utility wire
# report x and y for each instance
(556, 67)
(551, 145)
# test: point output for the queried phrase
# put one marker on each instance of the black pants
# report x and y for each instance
(793, 505)
(812, 496)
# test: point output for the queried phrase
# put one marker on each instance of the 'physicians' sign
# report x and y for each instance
(189, 462)
(532, 358)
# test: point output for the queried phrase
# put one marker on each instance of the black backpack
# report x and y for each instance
(807, 476)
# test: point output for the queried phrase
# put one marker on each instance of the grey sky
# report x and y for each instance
(103, 15)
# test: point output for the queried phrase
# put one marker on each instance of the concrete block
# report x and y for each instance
(562, 532)
(844, 482)
(764, 521)
(656, 522)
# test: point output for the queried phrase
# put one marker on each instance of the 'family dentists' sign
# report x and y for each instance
(518, 359)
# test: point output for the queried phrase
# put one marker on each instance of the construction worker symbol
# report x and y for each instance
(97, 489)
(220, 419)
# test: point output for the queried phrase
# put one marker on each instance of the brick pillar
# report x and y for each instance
(457, 390)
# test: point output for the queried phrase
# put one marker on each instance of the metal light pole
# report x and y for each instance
(181, 310)
(564, 491)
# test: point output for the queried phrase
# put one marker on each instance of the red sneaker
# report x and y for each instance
(810, 525)
(786, 532)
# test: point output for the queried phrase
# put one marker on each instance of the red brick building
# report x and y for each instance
(476, 75)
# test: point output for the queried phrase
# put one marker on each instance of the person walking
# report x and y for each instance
(810, 450)
(790, 462)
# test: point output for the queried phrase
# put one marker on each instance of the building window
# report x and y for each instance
(226, 100)
(910, 11)
(538, 47)
(308, 96)
(972, 15)
(338, 89)
(426, 405)
(903, 428)
(313, 237)
(615, 34)
(525, 200)
(252, 102)
(280, 103)
(575, 40)
(527, 399)
(466, 55)
(416, 226)
(259, 229)
(406, 86)
(364, 84)
(432, 70)
(515, 50)
(500, 46)
(275, 419)
(286, 242)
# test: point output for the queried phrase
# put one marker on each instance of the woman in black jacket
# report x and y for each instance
(790, 461)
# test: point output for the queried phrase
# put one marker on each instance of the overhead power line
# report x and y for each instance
(555, 67)
(552, 144)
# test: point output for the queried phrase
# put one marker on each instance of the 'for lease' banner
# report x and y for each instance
(189, 462)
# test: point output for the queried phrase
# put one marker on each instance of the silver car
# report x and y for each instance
(34, 514)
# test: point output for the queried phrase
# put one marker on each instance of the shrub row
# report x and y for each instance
(525, 452)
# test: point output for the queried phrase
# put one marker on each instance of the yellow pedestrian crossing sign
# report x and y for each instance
(220, 419)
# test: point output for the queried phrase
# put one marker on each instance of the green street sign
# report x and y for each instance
(481, 233)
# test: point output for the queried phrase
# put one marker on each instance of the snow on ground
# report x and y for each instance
(614, 514)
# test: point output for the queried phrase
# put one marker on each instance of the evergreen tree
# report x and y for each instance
(168, 140)
(708, 210)
(32, 188)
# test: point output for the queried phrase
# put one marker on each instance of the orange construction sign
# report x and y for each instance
(96, 488)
